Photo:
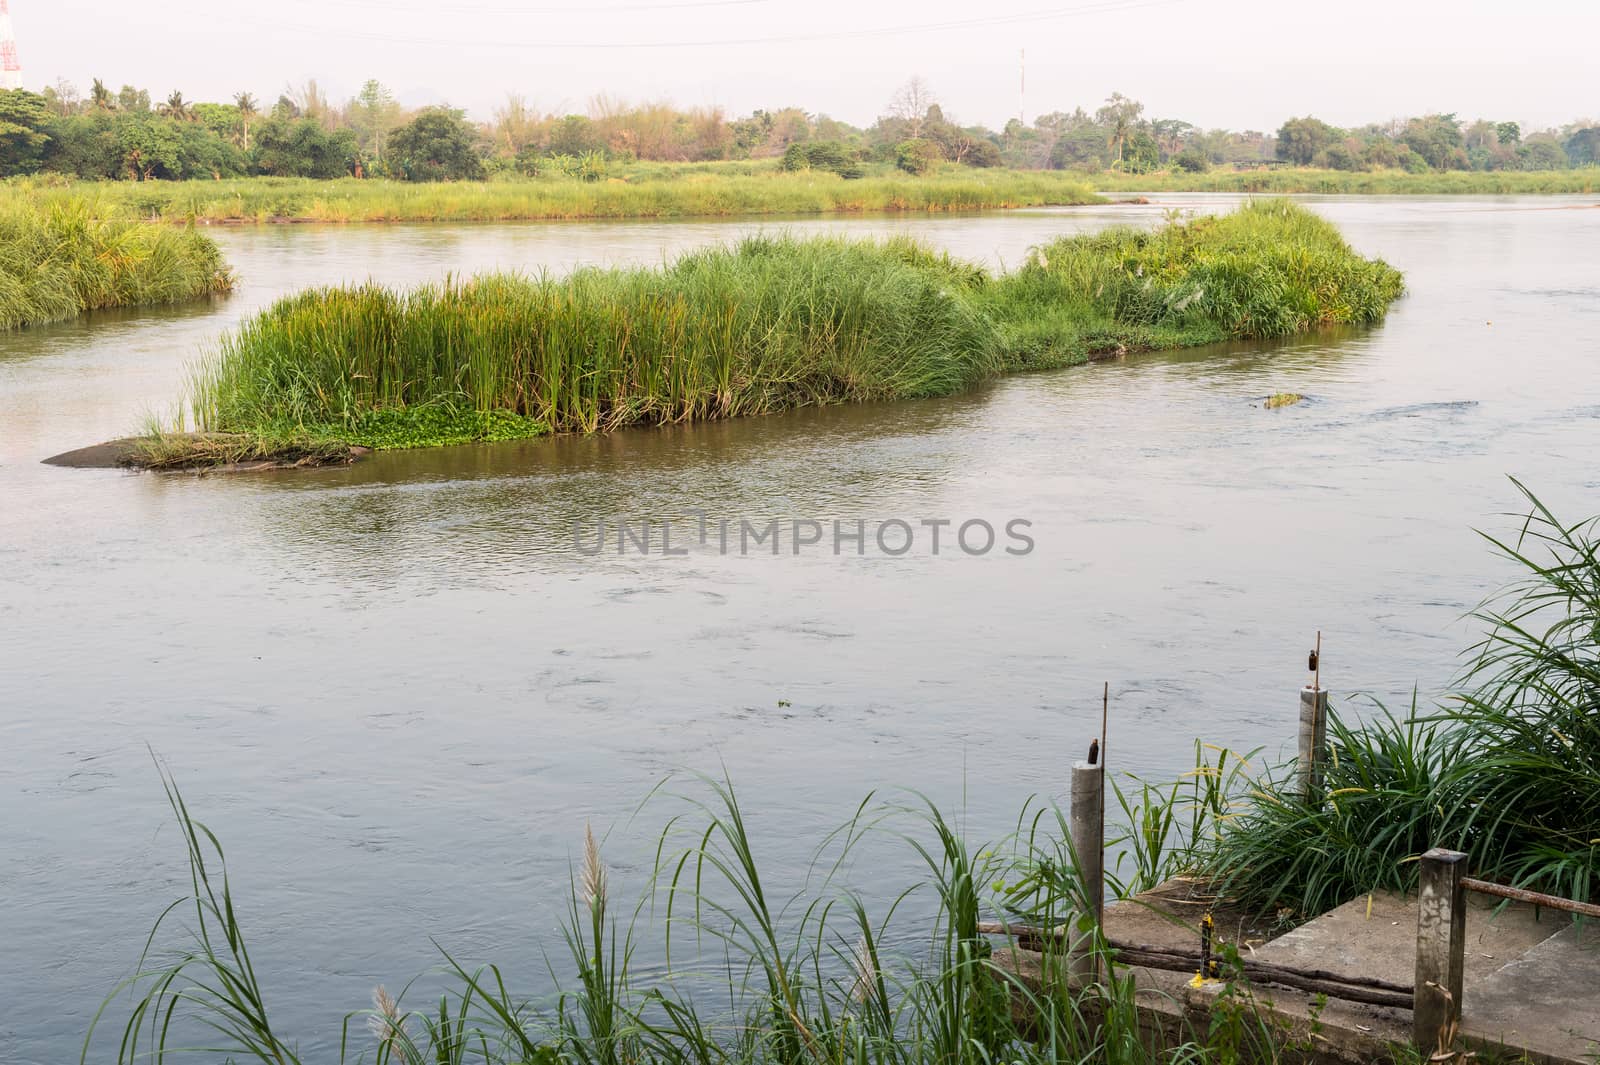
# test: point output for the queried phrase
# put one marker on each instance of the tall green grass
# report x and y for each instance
(59, 260)
(771, 324)
(1507, 770)
(754, 972)
(641, 191)
(1365, 183)
(1269, 269)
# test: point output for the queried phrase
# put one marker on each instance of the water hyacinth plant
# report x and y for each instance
(770, 324)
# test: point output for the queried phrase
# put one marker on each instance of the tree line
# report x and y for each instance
(127, 135)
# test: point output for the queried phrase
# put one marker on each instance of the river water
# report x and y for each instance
(398, 691)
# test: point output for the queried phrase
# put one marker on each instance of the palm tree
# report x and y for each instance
(101, 97)
(247, 110)
(175, 106)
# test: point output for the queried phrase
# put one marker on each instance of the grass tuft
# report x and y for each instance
(61, 259)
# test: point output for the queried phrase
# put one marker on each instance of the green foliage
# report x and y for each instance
(1300, 139)
(1391, 182)
(917, 156)
(770, 324)
(1084, 147)
(60, 260)
(437, 145)
(1191, 161)
(1269, 269)
(831, 156)
(1582, 148)
(1140, 154)
(288, 146)
(23, 118)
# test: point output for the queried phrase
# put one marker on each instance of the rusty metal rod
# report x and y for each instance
(1488, 887)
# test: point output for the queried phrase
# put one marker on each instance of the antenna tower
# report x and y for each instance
(10, 69)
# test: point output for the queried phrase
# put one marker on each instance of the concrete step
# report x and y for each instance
(1531, 988)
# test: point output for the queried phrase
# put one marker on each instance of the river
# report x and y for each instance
(398, 690)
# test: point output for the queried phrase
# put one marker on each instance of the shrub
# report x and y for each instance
(916, 156)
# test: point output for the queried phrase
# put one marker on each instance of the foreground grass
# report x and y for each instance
(772, 324)
(1378, 182)
(801, 978)
(643, 192)
(59, 260)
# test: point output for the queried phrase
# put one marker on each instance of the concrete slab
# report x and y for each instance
(1376, 936)
(1546, 1002)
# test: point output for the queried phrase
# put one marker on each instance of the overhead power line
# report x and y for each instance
(1043, 15)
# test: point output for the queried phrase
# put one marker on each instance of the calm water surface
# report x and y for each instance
(398, 693)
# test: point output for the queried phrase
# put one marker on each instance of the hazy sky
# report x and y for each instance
(1243, 64)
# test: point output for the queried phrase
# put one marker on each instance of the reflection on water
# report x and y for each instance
(398, 692)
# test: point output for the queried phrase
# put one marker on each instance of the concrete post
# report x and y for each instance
(1088, 823)
(1313, 740)
(1441, 945)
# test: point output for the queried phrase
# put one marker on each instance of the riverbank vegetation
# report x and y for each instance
(1290, 180)
(1508, 770)
(129, 136)
(636, 191)
(59, 260)
(770, 324)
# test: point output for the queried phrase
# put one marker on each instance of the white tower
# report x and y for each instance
(10, 69)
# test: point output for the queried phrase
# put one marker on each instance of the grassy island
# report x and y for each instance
(770, 324)
(59, 260)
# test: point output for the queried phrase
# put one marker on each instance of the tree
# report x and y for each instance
(248, 109)
(1141, 154)
(1170, 133)
(516, 125)
(88, 146)
(62, 98)
(175, 107)
(100, 97)
(372, 114)
(916, 156)
(131, 99)
(1437, 139)
(1300, 139)
(1508, 134)
(1081, 148)
(911, 103)
(23, 117)
(1583, 147)
(1192, 161)
(436, 145)
(1117, 117)
(302, 147)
